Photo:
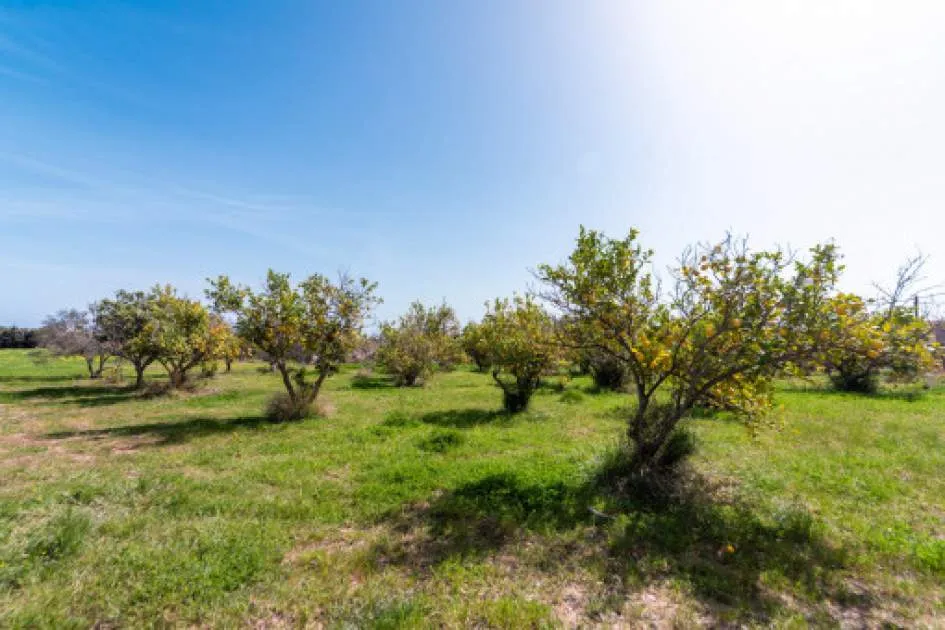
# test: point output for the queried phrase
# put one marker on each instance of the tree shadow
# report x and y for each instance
(901, 394)
(681, 528)
(80, 395)
(56, 378)
(465, 418)
(373, 381)
(166, 433)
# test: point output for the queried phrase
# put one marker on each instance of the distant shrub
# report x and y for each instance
(13, 337)
(571, 396)
(559, 383)
(399, 419)
(423, 341)
(607, 371)
(282, 408)
(442, 441)
(208, 369)
(858, 382)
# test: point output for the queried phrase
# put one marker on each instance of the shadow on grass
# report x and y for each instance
(167, 433)
(81, 395)
(374, 381)
(906, 395)
(57, 378)
(464, 418)
(674, 529)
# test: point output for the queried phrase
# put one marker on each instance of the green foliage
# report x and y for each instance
(442, 441)
(520, 340)
(607, 371)
(281, 408)
(316, 323)
(571, 396)
(423, 341)
(73, 332)
(399, 419)
(15, 337)
(475, 346)
(182, 333)
(124, 324)
(732, 320)
(58, 538)
(860, 345)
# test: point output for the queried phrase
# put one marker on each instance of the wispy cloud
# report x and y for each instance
(48, 169)
(107, 201)
(28, 54)
(23, 76)
(45, 68)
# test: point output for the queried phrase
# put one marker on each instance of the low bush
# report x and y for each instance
(282, 408)
(442, 441)
(571, 396)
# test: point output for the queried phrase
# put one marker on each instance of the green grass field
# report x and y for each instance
(429, 507)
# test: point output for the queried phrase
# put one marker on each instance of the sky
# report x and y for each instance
(445, 149)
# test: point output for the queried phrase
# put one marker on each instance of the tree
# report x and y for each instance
(13, 337)
(304, 329)
(607, 371)
(124, 324)
(232, 348)
(938, 330)
(183, 333)
(75, 333)
(474, 346)
(886, 335)
(731, 321)
(423, 341)
(520, 340)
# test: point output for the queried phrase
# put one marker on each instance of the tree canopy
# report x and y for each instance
(729, 321)
(306, 330)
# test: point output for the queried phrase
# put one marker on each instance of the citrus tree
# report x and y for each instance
(474, 345)
(422, 341)
(306, 330)
(730, 320)
(73, 332)
(233, 348)
(883, 336)
(183, 333)
(124, 324)
(519, 338)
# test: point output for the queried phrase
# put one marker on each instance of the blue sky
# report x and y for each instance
(445, 148)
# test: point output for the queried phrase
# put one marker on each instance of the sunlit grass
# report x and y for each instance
(430, 507)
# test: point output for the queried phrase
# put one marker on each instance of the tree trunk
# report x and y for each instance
(286, 379)
(649, 431)
(317, 386)
(228, 362)
(101, 366)
(90, 364)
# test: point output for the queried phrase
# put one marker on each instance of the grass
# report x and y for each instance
(428, 506)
